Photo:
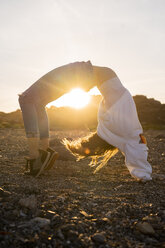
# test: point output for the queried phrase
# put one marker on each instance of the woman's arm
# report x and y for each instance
(102, 74)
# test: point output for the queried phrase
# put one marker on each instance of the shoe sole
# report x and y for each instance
(43, 165)
(52, 160)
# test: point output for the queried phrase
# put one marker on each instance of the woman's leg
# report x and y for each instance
(30, 123)
(43, 126)
(36, 123)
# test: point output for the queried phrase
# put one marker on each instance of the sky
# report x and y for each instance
(37, 36)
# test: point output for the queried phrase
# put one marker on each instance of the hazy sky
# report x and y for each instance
(38, 35)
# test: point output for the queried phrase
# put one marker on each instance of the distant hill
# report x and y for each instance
(13, 119)
(150, 111)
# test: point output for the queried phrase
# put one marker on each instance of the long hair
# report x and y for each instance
(91, 146)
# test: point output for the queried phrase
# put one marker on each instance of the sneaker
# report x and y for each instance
(53, 157)
(29, 168)
(37, 165)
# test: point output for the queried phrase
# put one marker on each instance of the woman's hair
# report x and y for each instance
(91, 146)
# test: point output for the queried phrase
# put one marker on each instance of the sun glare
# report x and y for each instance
(76, 98)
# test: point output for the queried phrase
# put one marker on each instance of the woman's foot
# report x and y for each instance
(53, 157)
(37, 166)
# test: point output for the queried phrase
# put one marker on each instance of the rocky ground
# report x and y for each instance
(71, 207)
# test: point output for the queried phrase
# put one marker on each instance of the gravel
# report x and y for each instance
(69, 206)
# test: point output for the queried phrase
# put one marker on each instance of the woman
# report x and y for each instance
(118, 123)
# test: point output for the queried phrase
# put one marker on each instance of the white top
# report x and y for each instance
(111, 91)
(118, 124)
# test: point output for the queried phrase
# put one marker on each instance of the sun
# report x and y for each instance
(76, 98)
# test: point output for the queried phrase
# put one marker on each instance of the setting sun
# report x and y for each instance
(76, 98)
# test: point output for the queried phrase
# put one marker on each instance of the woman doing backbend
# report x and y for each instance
(118, 123)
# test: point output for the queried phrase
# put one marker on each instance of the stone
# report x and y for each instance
(22, 214)
(85, 214)
(67, 227)
(72, 235)
(152, 218)
(4, 193)
(98, 238)
(41, 222)
(105, 219)
(29, 202)
(61, 199)
(108, 215)
(151, 240)
(56, 219)
(60, 234)
(145, 228)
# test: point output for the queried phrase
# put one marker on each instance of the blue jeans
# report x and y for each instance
(48, 88)
(34, 114)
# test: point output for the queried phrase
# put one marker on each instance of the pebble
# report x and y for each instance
(150, 240)
(4, 193)
(72, 235)
(85, 214)
(61, 199)
(152, 218)
(41, 222)
(98, 238)
(22, 214)
(145, 228)
(56, 219)
(60, 234)
(30, 202)
(109, 214)
(67, 227)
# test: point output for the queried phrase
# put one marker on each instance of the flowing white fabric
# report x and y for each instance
(118, 124)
